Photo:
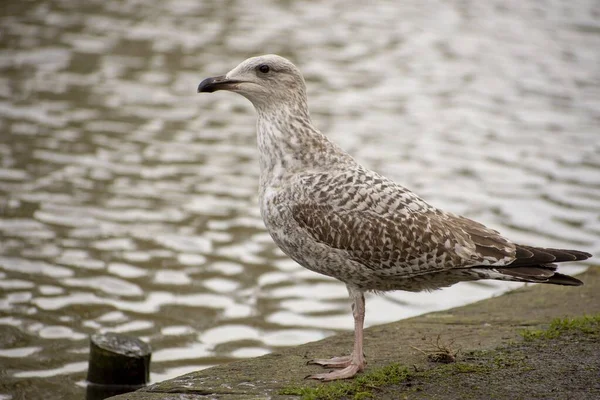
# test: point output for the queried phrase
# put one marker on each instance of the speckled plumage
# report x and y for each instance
(338, 218)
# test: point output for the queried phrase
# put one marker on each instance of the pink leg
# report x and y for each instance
(356, 361)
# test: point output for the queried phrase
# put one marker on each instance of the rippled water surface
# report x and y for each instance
(129, 202)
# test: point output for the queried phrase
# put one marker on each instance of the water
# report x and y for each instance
(129, 202)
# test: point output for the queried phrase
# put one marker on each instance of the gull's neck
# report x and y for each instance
(288, 143)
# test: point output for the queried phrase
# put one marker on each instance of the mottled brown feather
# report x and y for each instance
(409, 244)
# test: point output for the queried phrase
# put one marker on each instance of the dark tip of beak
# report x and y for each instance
(213, 84)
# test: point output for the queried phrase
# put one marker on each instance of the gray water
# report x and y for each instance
(129, 203)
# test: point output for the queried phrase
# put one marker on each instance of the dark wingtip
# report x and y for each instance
(527, 255)
(581, 255)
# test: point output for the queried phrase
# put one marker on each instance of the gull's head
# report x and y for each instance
(264, 80)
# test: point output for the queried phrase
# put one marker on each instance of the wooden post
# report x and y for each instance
(118, 364)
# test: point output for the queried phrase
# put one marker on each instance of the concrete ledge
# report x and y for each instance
(479, 326)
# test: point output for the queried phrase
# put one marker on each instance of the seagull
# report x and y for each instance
(337, 218)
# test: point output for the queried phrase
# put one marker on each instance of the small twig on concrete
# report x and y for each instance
(439, 351)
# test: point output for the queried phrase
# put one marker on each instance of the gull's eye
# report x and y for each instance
(264, 68)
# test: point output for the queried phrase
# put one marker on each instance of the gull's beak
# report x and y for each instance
(213, 84)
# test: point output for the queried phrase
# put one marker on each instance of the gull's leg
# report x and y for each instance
(356, 361)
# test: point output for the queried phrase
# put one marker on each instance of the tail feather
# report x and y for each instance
(566, 280)
(539, 275)
(535, 264)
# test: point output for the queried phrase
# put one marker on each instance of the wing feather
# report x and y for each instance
(404, 243)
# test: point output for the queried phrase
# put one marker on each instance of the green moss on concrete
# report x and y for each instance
(589, 325)
(368, 385)
(361, 387)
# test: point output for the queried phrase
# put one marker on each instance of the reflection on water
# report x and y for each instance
(129, 202)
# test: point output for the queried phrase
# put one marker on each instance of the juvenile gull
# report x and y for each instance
(338, 218)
